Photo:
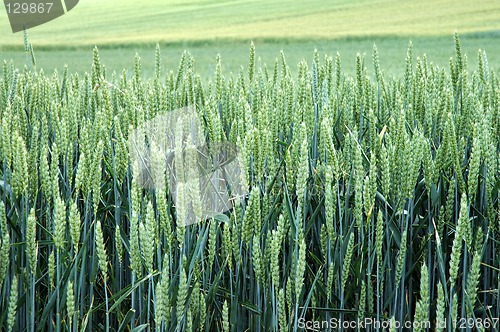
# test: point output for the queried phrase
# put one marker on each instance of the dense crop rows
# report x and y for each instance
(366, 196)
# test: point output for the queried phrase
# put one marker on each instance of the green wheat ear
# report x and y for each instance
(251, 66)
(101, 250)
(12, 309)
(473, 282)
(5, 244)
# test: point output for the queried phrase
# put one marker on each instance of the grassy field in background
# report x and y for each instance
(392, 52)
(112, 22)
(206, 28)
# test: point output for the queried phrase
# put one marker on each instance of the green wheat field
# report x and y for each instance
(369, 180)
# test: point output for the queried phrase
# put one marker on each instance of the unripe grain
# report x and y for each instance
(101, 250)
(12, 310)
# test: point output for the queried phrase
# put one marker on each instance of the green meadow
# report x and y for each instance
(207, 28)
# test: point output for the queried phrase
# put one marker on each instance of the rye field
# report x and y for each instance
(252, 166)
